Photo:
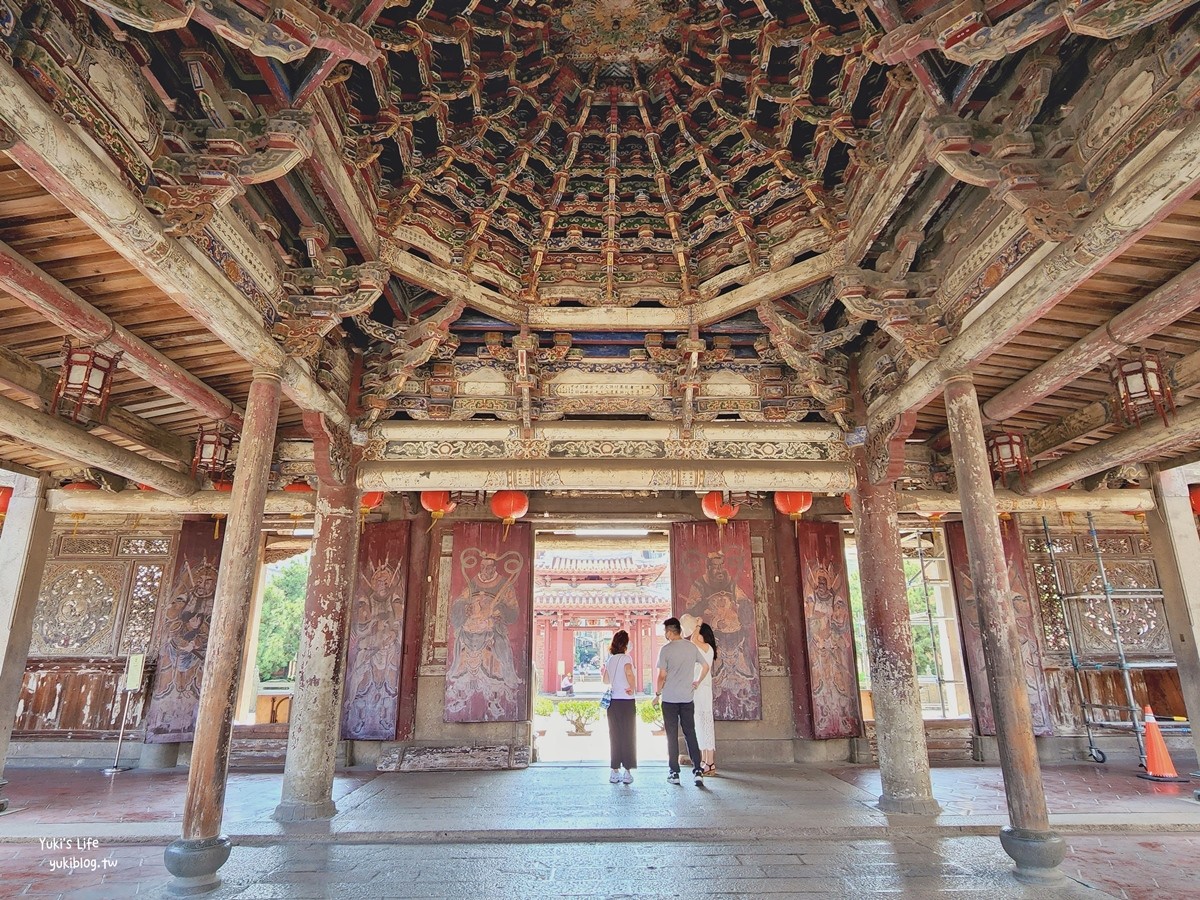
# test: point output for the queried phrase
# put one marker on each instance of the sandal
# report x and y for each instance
(709, 769)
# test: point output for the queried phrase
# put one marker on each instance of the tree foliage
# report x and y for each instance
(282, 615)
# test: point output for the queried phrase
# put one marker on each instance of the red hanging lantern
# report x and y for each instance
(793, 504)
(213, 445)
(717, 508)
(300, 486)
(225, 486)
(6, 494)
(437, 504)
(1194, 498)
(848, 500)
(84, 380)
(370, 500)
(1008, 452)
(1143, 389)
(509, 505)
(81, 486)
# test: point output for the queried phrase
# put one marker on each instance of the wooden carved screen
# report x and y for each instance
(375, 648)
(97, 605)
(972, 638)
(712, 577)
(490, 628)
(828, 631)
(184, 625)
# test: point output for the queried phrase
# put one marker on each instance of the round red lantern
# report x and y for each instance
(793, 504)
(509, 505)
(717, 508)
(81, 486)
(6, 494)
(848, 500)
(299, 486)
(1194, 498)
(224, 485)
(370, 500)
(437, 503)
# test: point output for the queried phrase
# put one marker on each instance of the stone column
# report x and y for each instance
(24, 544)
(195, 858)
(899, 728)
(1177, 556)
(316, 712)
(1037, 850)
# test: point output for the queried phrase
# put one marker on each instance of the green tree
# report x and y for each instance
(282, 615)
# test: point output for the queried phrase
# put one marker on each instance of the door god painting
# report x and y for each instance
(487, 662)
(712, 579)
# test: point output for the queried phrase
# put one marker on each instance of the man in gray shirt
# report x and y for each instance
(677, 680)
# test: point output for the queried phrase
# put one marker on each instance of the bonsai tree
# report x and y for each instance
(579, 713)
(544, 707)
(651, 714)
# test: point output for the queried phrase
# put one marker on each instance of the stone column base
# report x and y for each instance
(304, 811)
(194, 865)
(909, 806)
(159, 756)
(1038, 854)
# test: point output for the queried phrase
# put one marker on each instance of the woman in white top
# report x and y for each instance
(622, 729)
(706, 735)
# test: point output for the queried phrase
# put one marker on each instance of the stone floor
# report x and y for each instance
(563, 831)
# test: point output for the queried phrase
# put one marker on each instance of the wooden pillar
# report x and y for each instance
(316, 711)
(24, 543)
(1037, 850)
(195, 858)
(899, 728)
(1177, 557)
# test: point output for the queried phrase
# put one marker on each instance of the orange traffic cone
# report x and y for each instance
(1158, 761)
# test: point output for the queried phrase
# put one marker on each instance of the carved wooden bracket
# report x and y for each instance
(903, 306)
(334, 456)
(885, 448)
(964, 31)
(289, 31)
(812, 355)
(1045, 191)
(317, 301)
(193, 186)
(399, 353)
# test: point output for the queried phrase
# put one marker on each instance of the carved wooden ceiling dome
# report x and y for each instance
(619, 152)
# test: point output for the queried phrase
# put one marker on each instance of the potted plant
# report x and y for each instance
(543, 708)
(651, 715)
(580, 713)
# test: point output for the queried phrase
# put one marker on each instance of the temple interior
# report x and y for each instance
(866, 331)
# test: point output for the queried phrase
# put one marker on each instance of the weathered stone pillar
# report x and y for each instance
(195, 858)
(24, 543)
(316, 713)
(1177, 557)
(1037, 850)
(899, 728)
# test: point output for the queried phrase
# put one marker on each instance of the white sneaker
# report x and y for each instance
(615, 777)
(627, 777)
(699, 779)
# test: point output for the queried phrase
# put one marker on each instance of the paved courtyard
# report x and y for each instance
(560, 830)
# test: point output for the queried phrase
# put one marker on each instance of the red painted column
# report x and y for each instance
(558, 652)
(315, 715)
(195, 858)
(899, 728)
(1029, 841)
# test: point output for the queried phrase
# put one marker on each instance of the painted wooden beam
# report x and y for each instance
(56, 436)
(1184, 376)
(606, 474)
(33, 381)
(1151, 314)
(74, 315)
(156, 503)
(1131, 500)
(66, 165)
(1146, 195)
(1134, 445)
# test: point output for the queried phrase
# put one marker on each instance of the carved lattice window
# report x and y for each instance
(1050, 603)
(76, 609)
(145, 546)
(144, 589)
(85, 545)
